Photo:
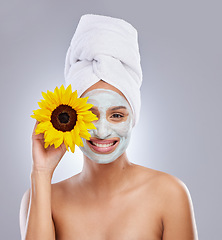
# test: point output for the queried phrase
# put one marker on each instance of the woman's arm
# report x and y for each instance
(36, 221)
(178, 214)
(35, 214)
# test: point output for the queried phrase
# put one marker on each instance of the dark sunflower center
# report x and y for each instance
(64, 118)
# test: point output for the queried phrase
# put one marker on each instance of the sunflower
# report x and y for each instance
(63, 117)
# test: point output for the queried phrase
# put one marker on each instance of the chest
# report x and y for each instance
(124, 218)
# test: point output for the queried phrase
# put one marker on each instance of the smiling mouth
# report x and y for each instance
(103, 146)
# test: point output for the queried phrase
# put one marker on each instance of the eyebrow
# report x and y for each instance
(118, 107)
(112, 109)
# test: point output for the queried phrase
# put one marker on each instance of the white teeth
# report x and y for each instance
(102, 145)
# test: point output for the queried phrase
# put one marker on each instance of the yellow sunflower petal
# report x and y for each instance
(75, 103)
(51, 135)
(58, 142)
(82, 125)
(41, 112)
(42, 127)
(40, 118)
(67, 95)
(73, 98)
(42, 104)
(61, 91)
(85, 134)
(80, 102)
(88, 116)
(46, 144)
(90, 125)
(79, 140)
(85, 107)
(57, 94)
(73, 135)
(48, 99)
(53, 98)
(45, 105)
(77, 137)
(72, 148)
(68, 140)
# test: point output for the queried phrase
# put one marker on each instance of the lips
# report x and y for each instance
(103, 146)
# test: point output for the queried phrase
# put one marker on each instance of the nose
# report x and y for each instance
(102, 130)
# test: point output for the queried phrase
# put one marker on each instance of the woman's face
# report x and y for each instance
(113, 128)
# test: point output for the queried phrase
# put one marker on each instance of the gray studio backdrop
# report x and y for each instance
(180, 126)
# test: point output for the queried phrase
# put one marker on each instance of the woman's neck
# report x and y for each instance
(105, 180)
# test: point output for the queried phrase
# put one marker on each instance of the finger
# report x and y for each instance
(57, 152)
(35, 136)
(63, 147)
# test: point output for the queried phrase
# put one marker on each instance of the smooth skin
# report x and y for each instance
(115, 201)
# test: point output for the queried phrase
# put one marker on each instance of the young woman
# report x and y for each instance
(111, 198)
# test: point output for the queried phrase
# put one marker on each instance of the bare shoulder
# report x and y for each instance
(175, 205)
(174, 202)
(166, 183)
(173, 189)
(170, 190)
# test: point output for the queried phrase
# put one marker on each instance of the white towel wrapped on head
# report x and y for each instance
(105, 48)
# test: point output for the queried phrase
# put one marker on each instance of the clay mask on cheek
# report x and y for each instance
(108, 131)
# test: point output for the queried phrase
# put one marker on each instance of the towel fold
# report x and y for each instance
(105, 48)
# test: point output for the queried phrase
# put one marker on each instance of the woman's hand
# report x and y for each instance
(45, 160)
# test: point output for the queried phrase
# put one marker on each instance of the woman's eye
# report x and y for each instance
(116, 115)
